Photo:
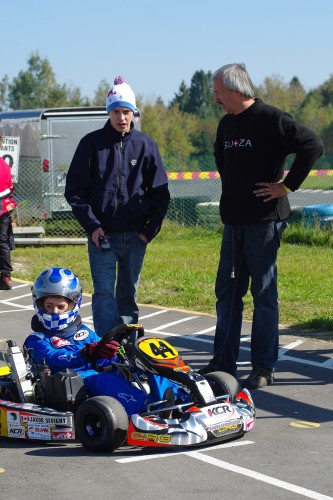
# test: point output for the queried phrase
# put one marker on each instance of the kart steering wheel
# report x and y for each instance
(120, 333)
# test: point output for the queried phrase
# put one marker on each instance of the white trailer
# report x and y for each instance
(47, 141)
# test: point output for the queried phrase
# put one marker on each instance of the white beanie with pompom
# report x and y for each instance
(120, 94)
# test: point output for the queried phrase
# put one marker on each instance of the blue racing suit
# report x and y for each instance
(62, 349)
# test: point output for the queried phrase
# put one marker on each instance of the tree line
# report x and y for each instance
(185, 128)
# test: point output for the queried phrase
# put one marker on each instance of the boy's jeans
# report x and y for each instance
(116, 274)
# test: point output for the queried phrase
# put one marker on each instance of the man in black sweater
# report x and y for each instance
(252, 142)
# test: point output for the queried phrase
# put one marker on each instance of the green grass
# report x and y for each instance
(180, 268)
(318, 182)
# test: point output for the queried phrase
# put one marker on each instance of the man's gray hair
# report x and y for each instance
(235, 77)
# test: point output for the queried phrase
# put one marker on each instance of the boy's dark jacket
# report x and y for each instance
(118, 182)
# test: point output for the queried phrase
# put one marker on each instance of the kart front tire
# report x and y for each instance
(223, 383)
(101, 424)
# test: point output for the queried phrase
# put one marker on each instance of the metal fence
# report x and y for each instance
(194, 198)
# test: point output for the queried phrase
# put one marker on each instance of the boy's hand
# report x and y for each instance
(107, 351)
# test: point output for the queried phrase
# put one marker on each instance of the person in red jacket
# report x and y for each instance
(7, 204)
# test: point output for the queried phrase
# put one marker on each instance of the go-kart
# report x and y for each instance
(38, 405)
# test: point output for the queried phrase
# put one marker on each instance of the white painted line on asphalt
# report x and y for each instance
(20, 286)
(291, 346)
(22, 309)
(19, 306)
(328, 363)
(202, 332)
(169, 334)
(180, 452)
(258, 476)
(88, 319)
(302, 361)
(15, 298)
(173, 323)
(163, 311)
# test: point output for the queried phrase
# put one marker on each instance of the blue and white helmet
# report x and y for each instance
(57, 281)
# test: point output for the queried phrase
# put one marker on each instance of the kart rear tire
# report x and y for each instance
(223, 383)
(101, 424)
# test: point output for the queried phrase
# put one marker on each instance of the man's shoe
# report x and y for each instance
(5, 283)
(258, 378)
(206, 369)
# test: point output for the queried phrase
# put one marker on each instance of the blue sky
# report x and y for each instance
(157, 44)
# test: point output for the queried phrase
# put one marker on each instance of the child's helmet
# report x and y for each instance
(57, 281)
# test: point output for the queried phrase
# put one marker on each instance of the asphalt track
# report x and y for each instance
(288, 455)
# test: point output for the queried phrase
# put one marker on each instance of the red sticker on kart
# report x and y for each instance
(158, 349)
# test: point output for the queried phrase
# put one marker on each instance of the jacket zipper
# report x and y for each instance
(119, 173)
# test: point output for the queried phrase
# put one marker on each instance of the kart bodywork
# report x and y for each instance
(34, 404)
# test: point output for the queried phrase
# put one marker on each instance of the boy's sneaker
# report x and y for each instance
(5, 283)
(258, 378)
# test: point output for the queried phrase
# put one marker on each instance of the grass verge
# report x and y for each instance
(180, 268)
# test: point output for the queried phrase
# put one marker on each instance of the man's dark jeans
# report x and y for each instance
(251, 252)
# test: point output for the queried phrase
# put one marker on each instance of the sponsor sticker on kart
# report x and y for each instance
(219, 412)
(43, 419)
(17, 421)
(16, 431)
(63, 434)
(40, 431)
(226, 428)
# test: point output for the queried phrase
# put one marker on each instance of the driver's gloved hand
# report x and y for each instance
(107, 351)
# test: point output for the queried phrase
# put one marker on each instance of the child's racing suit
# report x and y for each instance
(59, 350)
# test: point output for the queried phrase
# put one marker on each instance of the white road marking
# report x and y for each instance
(328, 363)
(258, 476)
(180, 452)
(291, 346)
(284, 357)
(200, 455)
(19, 307)
(302, 361)
(86, 304)
(202, 332)
(88, 319)
(19, 286)
(22, 309)
(6, 301)
(173, 323)
(156, 313)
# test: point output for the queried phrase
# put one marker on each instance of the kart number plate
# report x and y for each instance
(158, 349)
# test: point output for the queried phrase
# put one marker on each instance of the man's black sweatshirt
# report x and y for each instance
(252, 147)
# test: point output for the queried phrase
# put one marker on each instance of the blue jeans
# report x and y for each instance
(251, 252)
(116, 275)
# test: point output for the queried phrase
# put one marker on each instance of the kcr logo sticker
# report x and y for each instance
(220, 410)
